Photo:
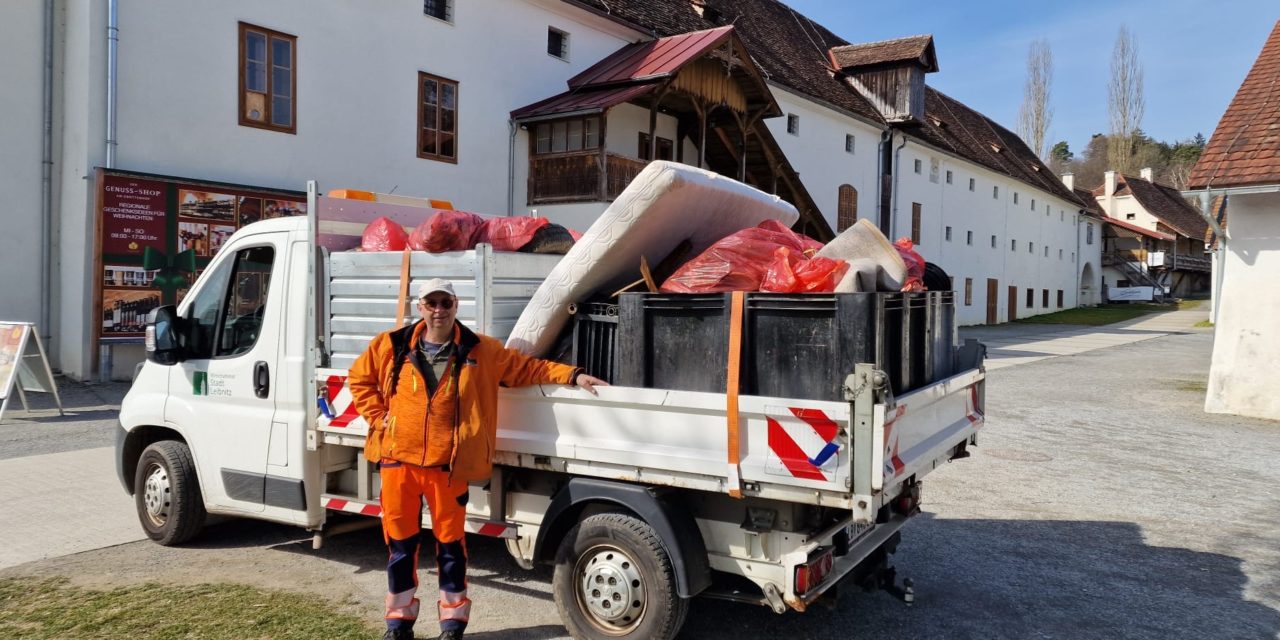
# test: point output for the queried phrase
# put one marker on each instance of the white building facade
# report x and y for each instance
(355, 107)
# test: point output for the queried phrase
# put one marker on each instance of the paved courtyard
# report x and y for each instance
(1101, 502)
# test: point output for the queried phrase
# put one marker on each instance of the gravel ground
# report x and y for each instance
(88, 420)
(1101, 503)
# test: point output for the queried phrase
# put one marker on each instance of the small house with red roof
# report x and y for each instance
(1239, 172)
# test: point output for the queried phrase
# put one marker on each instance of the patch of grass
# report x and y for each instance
(1196, 386)
(53, 608)
(1204, 323)
(1107, 313)
(1093, 316)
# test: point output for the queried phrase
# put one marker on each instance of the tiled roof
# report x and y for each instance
(1137, 229)
(952, 126)
(910, 49)
(1167, 205)
(793, 51)
(1245, 148)
(1091, 206)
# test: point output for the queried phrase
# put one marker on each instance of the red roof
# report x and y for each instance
(648, 61)
(1136, 229)
(584, 102)
(1245, 148)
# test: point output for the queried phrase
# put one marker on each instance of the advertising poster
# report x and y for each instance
(158, 233)
(12, 341)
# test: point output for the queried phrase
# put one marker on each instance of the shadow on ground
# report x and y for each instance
(974, 579)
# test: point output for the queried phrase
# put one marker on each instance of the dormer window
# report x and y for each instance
(996, 148)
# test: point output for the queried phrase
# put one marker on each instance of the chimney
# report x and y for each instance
(1069, 179)
(1110, 182)
(1147, 174)
(889, 74)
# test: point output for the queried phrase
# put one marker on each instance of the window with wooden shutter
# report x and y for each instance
(915, 223)
(437, 118)
(268, 79)
(846, 207)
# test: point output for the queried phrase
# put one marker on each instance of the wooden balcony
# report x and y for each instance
(1192, 263)
(576, 177)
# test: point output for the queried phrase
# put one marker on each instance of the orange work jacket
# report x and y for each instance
(464, 406)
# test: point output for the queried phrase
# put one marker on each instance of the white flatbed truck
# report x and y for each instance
(241, 410)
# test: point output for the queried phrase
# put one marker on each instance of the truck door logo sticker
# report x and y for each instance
(340, 402)
(802, 443)
(200, 383)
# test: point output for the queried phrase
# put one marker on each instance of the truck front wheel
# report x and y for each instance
(613, 579)
(167, 493)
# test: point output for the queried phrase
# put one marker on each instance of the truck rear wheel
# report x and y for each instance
(167, 493)
(613, 579)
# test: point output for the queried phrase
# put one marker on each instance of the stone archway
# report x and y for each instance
(1088, 292)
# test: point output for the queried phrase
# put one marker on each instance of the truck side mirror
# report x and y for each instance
(163, 344)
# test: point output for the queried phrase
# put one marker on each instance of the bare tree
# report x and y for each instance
(1036, 113)
(1125, 103)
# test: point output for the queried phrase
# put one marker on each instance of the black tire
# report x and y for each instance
(621, 546)
(171, 509)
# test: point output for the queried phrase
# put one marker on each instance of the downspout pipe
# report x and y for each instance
(46, 179)
(1079, 274)
(512, 128)
(1219, 254)
(886, 137)
(113, 45)
(897, 166)
(105, 355)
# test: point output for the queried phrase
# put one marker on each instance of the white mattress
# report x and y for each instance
(667, 203)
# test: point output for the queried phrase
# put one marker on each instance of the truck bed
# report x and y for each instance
(679, 438)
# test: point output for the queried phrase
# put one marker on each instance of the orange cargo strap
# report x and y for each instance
(406, 258)
(731, 393)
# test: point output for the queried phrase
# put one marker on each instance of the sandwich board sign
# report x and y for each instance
(23, 365)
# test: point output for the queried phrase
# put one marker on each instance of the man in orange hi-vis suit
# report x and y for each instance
(429, 392)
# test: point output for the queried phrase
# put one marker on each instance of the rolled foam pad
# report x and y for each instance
(663, 206)
(864, 241)
(863, 275)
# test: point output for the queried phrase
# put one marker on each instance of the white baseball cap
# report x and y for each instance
(433, 285)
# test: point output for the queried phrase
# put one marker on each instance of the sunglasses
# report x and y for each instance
(437, 303)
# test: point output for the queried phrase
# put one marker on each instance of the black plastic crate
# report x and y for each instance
(794, 345)
(595, 339)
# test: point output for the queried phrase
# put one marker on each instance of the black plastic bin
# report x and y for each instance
(595, 338)
(794, 345)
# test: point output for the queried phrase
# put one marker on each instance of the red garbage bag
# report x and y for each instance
(791, 272)
(739, 262)
(915, 265)
(384, 234)
(509, 234)
(446, 230)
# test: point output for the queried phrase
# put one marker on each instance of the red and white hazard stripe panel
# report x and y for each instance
(478, 527)
(893, 464)
(340, 410)
(802, 443)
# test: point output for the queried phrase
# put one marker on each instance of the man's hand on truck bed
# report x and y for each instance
(589, 382)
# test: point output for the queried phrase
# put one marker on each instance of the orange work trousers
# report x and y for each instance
(404, 487)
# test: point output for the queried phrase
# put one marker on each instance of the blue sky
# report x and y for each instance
(1194, 53)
